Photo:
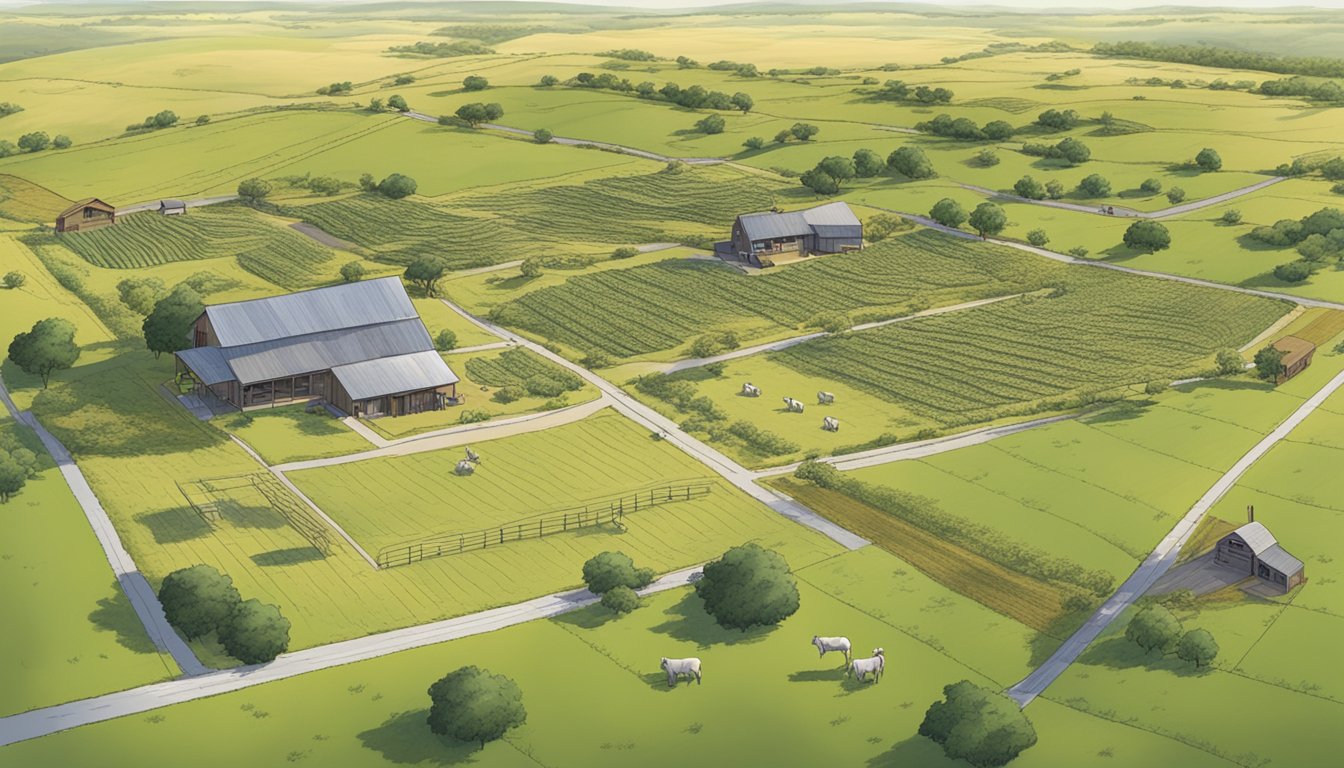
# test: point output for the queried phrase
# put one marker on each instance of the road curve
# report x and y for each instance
(1162, 557)
(1117, 211)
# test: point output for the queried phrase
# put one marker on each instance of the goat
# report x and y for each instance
(874, 666)
(677, 667)
(827, 644)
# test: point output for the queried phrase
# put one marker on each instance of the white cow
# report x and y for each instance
(827, 644)
(677, 667)
(825, 398)
(830, 424)
(751, 390)
(794, 406)
(465, 467)
(874, 666)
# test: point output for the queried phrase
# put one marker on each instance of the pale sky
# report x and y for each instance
(1084, 5)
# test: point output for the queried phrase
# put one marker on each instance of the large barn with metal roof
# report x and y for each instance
(829, 228)
(360, 347)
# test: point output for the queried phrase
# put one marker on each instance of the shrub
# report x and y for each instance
(1153, 628)
(830, 322)
(509, 394)
(203, 120)
(883, 225)
(1231, 216)
(352, 272)
(1229, 362)
(397, 186)
(1094, 185)
(711, 124)
(445, 340)
(198, 600)
(620, 600)
(61, 141)
(475, 83)
(625, 252)
(14, 280)
(1029, 188)
(473, 416)
(474, 705)
(1149, 236)
(1151, 186)
(1293, 271)
(1198, 646)
(986, 158)
(541, 385)
(910, 162)
(754, 143)
(542, 136)
(1175, 195)
(948, 212)
(1038, 237)
(608, 570)
(1208, 159)
(978, 725)
(867, 163)
(255, 632)
(748, 587)
(252, 190)
(548, 81)
(398, 103)
(1079, 251)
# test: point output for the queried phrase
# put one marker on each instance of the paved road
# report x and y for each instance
(41, 722)
(1161, 558)
(153, 205)
(641, 414)
(1123, 212)
(133, 583)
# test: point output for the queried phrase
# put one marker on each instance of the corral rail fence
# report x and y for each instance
(206, 496)
(589, 514)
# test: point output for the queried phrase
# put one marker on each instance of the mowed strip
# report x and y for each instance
(1029, 601)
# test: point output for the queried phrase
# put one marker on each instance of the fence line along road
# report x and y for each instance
(1162, 557)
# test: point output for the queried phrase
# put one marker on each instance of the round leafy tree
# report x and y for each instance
(1198, 646)
(397, 186)
(198, 600)
(254, 189)
(1029, 188)
(982, 727)
(475, 83)
(868, 163)
(748, 587)
(911, 163)
(255, 632)
(1269, 362)
(1095, 185)
(620, 600)
(1208, 159)
(608, 570)
(168, 325)
(1147, 236)
(471, 704)
(988, 219)
(48, 347)
(948, 212)
(1153, 628)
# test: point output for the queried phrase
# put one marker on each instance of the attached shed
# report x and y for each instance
(1297, 354)
(1253, 551)
(829, 228)
(172, 207)
(85, 215)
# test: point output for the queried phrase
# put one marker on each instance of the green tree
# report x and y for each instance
(471, 704)
(140, 294)
(403, 80)
(1269, 363)
(165, 119)
(1208, 159)
(608, 570)
(376, 104)
(1229, 362)
(910, 162)
(1153, 628)
(820, 182)
(530, 268)
(1148, 236)
(948, 212)
(1293, 271)
(711, 124)
(548, 81)
(754, 143)
(1175, 195)
(881, 226)
(14, 280)
(748, 587)
(1198, 646)
(998, 130)
(198, 600)
(986, 158)
(398, 103)
(542, 136)
(255, 632)
(167, 328)
(1054, 189)
(47, 348)
(840, 168)
(980, 726)
(620, 599)
(783, 136)
(625, 252)
(203, 120)
(1038, 237)
(397, 186)
(742, 101)
(1094, 185)
(254, 189)
(352, 272)
(366, 182)
(425, 273)
(475, 83)
(1029, 188)
(13, 476)
(445, 340)
(62, 141)
(1231, 216)
(1073, 151)
(1057, 120)
(1151, 186)
(988, 219)
(868, 163)
(804, 131)
(34, 142)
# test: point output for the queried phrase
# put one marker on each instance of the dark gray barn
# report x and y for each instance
(829, 228)
(1253, 550)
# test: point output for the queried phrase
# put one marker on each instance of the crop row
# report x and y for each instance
(516, 366)
(293, 264)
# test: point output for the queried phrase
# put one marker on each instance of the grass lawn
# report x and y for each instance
(282, 435)
(372, 713)
(72, 632)
(438, 317)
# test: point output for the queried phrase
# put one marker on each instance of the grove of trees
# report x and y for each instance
(200, 600)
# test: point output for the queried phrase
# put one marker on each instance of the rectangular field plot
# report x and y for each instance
(290, 434)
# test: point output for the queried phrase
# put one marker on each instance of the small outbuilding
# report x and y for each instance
(1253, 550)
(1297, 355)
(829, 228)
(172, 207)
(85, 215)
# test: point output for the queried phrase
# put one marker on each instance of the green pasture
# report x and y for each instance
(291, 433)
(438, 317)
(41, 297)
(72, 631)
(372, 713)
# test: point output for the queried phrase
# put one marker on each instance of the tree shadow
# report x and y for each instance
(689, 623)
(1268, 280)
(915, 750)
(1123, 411)
(592, 617)
(1120, 653)
(818, 676)
(291, 556)
(1225, 385)
(173, 526)
(405, 738)
(116, 614)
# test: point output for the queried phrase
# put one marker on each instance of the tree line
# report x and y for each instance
(1223, 58)
(692, 97)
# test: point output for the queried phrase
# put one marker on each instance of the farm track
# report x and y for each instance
(1131, 213)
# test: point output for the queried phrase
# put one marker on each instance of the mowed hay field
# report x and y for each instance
(372, 713)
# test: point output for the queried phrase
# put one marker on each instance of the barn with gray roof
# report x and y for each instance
(360, 347)
(1253, 550)
(829, 228)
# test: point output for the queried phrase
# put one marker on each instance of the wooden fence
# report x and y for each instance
(610, 511)
(207, 496)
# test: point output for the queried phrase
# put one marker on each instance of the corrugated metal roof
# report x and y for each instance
(1277, 557)
(275, 359)
(338, 307)
(394, 375)
(829, 220)
(1257, 537)
(208, 364)
(172, 204)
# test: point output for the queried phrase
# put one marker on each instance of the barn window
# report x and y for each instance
(1262, 570)
(1236, 544)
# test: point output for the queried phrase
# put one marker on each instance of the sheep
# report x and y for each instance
(464, 467)
(830, 424)
(874, 666)
(825, 398)
(794, 406)
(827, 644)
(677, 667)
(751, 390)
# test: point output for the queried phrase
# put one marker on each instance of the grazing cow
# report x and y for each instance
(828, 644)
(794, 406)
(677, 667)
(830, 424)
(465, 467)
(825, 398)
(751, 390)
(874, 666)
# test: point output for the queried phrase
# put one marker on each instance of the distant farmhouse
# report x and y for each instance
(1253, 551)
(172, 207)
(360, 347)
(829, 228)
(85, 215)
(1297, 355)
